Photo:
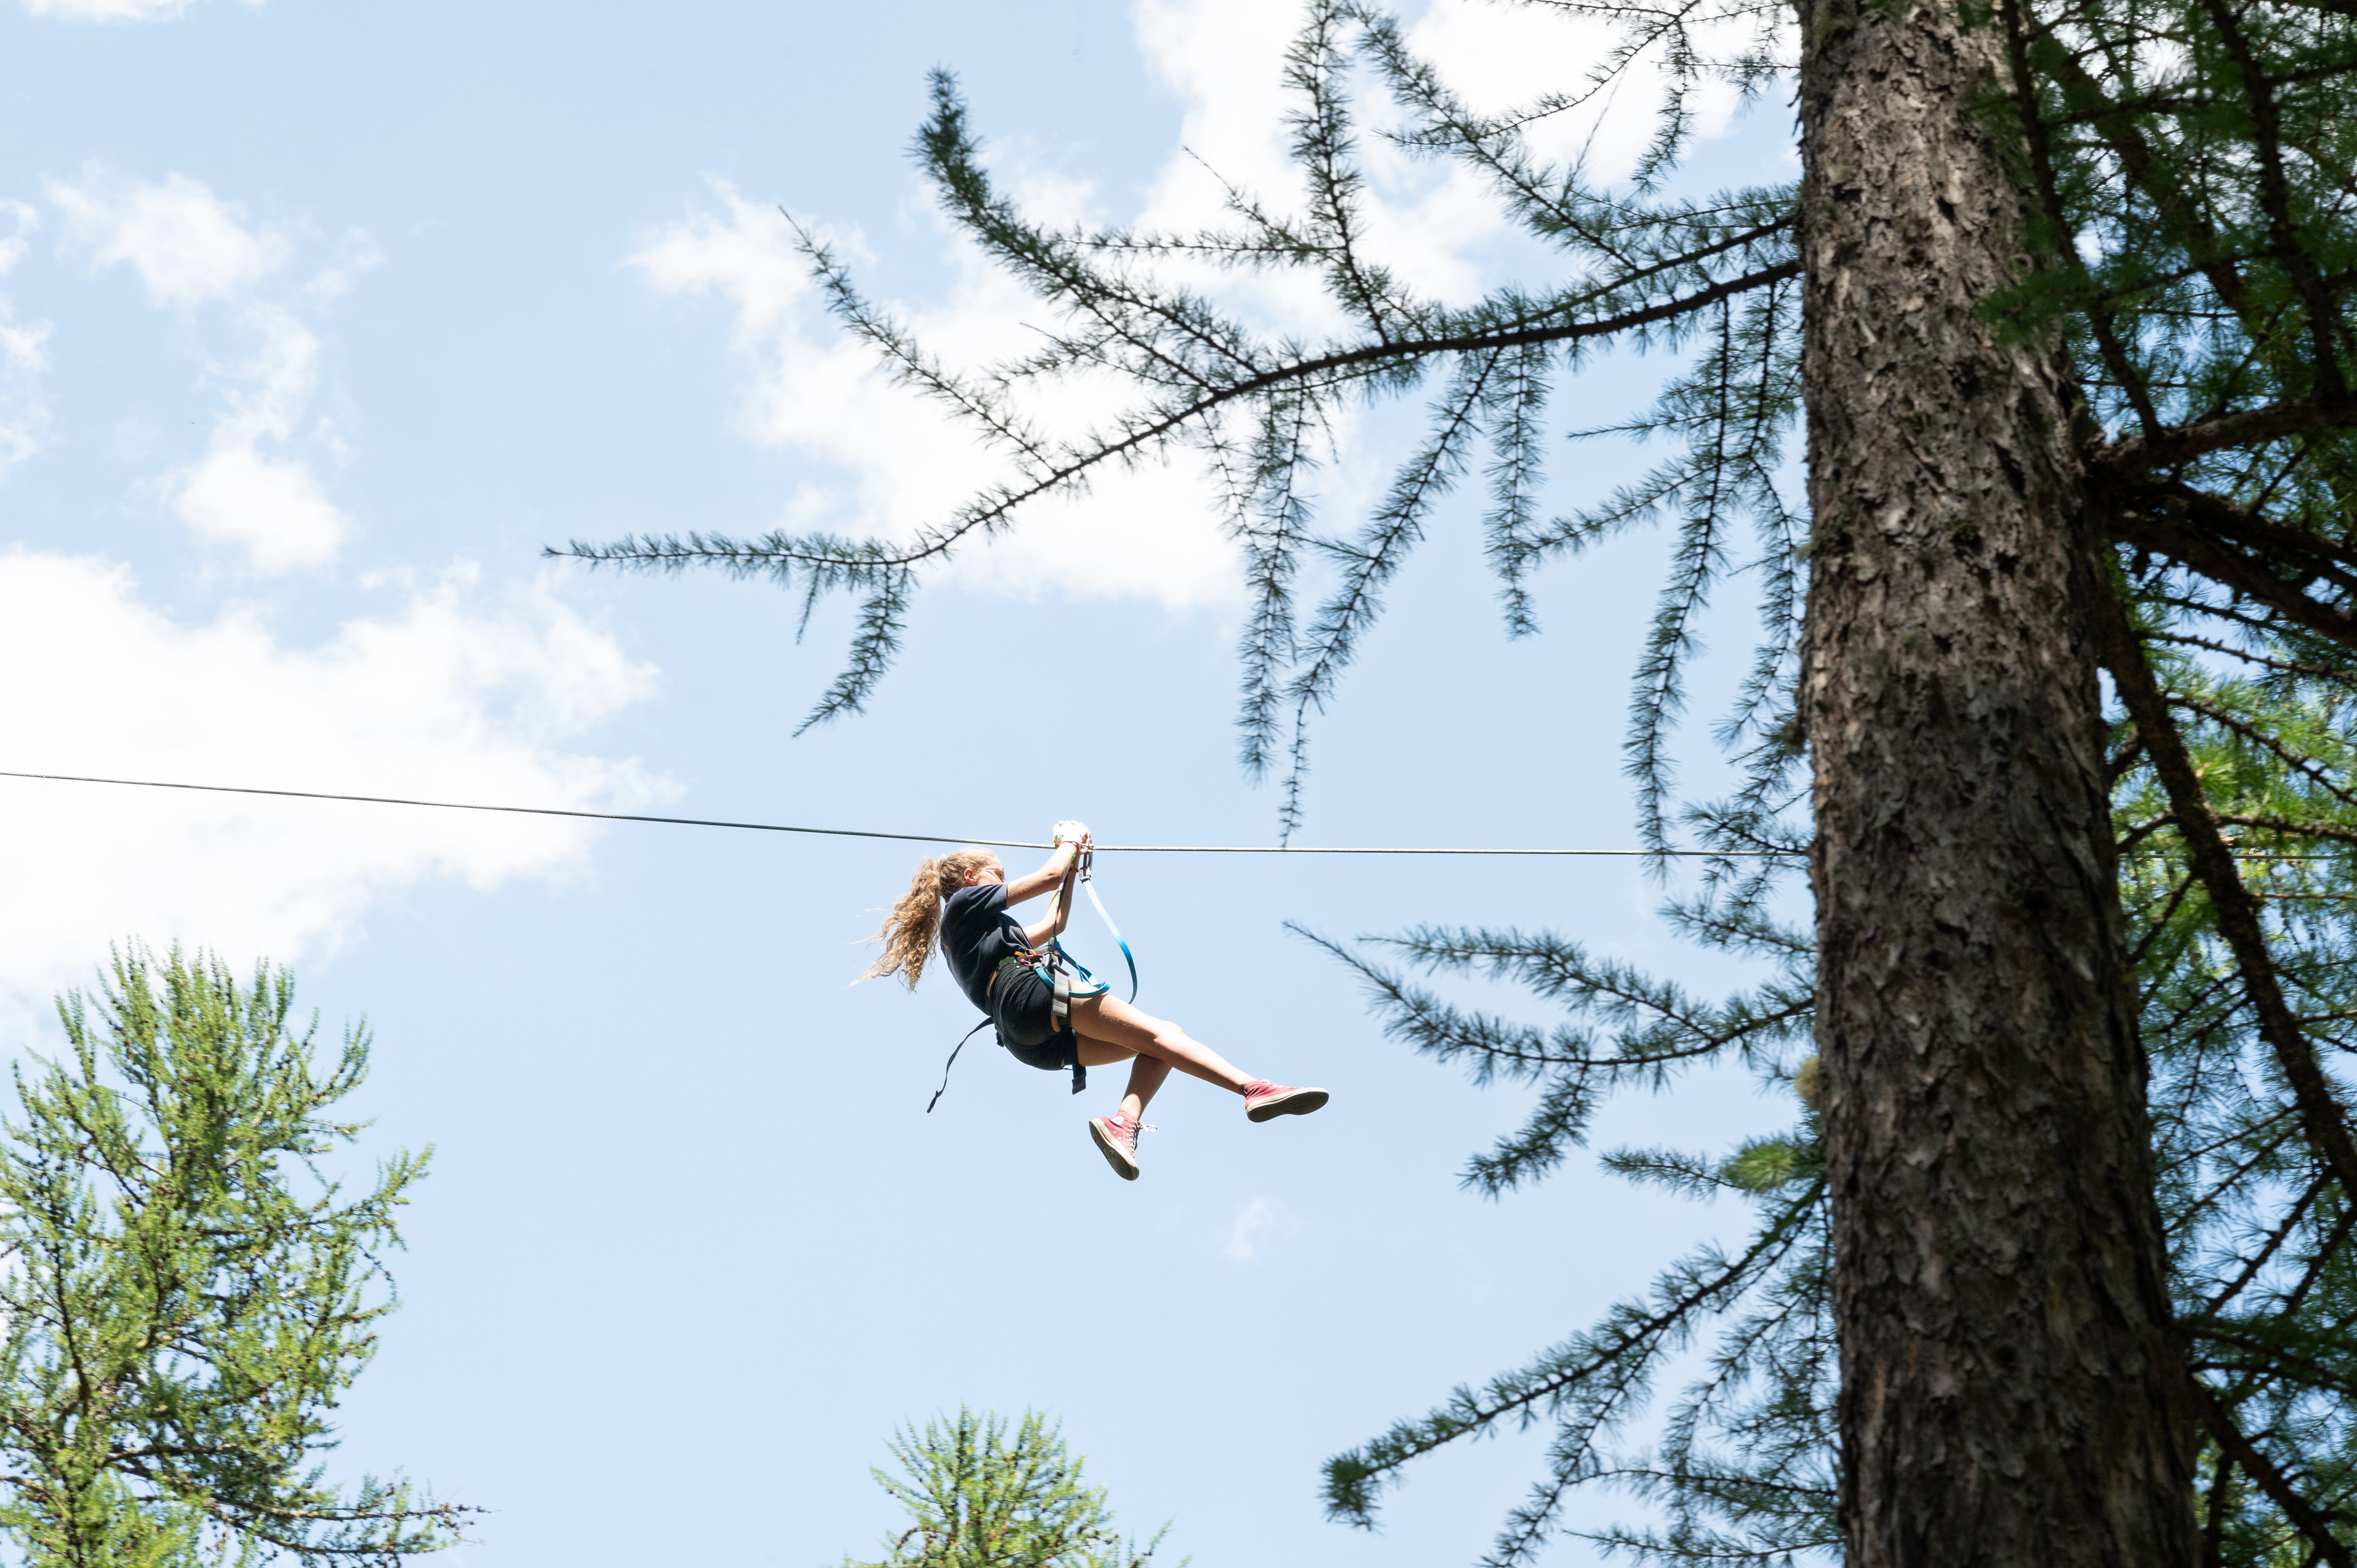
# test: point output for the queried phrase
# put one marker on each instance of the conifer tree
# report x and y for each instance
(186, 1294)
(2263, 1273)
(979, 1496)
(2049, 1269)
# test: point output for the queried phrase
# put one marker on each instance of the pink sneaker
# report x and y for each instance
(1264, 1100)
(1116, 1137)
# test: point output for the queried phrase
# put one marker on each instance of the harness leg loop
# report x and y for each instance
(1060, 1009)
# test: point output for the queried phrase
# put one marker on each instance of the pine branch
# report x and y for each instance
(2322, 1115)
(670, 552)
(2313, 1528)
(1614, 1359)
(2168, 528)
(2168, 448)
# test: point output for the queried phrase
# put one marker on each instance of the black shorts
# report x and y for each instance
(1023, 1006)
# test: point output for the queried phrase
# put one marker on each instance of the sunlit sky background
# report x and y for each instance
(317, 321)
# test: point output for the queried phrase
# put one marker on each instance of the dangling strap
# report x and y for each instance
(970, 1034)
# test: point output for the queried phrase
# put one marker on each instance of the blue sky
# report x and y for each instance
(317, 321)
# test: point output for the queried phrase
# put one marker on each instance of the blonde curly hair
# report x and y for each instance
(913, 923)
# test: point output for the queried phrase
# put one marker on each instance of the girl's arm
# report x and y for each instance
(1035, 937)
(1023, 889)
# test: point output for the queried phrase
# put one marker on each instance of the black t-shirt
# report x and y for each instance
(976, 932)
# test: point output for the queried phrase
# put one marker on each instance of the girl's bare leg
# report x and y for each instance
(1111, 1031)
(1145, 1075)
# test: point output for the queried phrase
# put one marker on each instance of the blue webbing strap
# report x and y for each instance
(1089, 881)
(1055, 950)
(1126, 956)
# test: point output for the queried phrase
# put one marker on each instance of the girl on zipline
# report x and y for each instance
(962, 899)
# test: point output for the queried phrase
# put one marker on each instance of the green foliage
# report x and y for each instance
(979, 1498)
(2263, 1271)
(185, 1295)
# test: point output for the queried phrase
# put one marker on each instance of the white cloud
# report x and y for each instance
(1427, 221)
(23, 219)
(24, 354)
(1504, 58)
(1224, 58)
(1256, 1219)
(450, 698)
(273, 507)
(115, 10)
(238, 495)
(188, 245)
(191, 248)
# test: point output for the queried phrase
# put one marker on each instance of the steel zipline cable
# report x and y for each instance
(1002, 844)
(867, 833)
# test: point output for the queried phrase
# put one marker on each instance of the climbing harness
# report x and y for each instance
(1067, 977)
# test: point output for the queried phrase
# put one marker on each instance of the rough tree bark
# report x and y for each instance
(2011, 1392)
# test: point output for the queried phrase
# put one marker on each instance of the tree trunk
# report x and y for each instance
(2011, 1387)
